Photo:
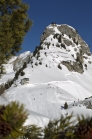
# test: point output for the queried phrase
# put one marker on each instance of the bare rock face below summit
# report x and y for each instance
(20, 60)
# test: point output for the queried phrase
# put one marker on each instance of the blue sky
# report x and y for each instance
(76, 13)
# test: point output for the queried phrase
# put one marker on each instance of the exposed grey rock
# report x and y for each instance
(88, 53)
(24, 81)
(77, 67)
(73, 39)
(74, 35)
(18, 63)
(69, 31)
(85, 57)
(46, 33)
(89, 62)
(80, 57)
(67, 42)
(73, 67)
(75, 49)
(73, 45)
(85, 50)
(88, 104)
(2, 88)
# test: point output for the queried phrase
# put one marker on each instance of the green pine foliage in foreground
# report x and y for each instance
(14, 24)
(14, 115)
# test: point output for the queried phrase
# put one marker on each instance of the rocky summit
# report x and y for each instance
(63, 45)
(63, 42)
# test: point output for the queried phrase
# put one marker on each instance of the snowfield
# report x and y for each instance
(49, 87)
(43, 96)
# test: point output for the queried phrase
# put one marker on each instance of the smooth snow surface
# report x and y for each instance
(49, 87)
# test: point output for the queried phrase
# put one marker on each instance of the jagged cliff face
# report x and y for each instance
(64, 39)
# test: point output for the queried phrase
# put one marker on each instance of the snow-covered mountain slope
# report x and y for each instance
(59, 71)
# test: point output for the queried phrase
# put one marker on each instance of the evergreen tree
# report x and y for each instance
(84, 127)
(12, 118)
(14, 24)
(49, 130)
(60, 129)
(32, 132)
(65, 105)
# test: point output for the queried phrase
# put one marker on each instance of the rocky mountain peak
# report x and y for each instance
(67, 30)
(60, 46)
(63, 45)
